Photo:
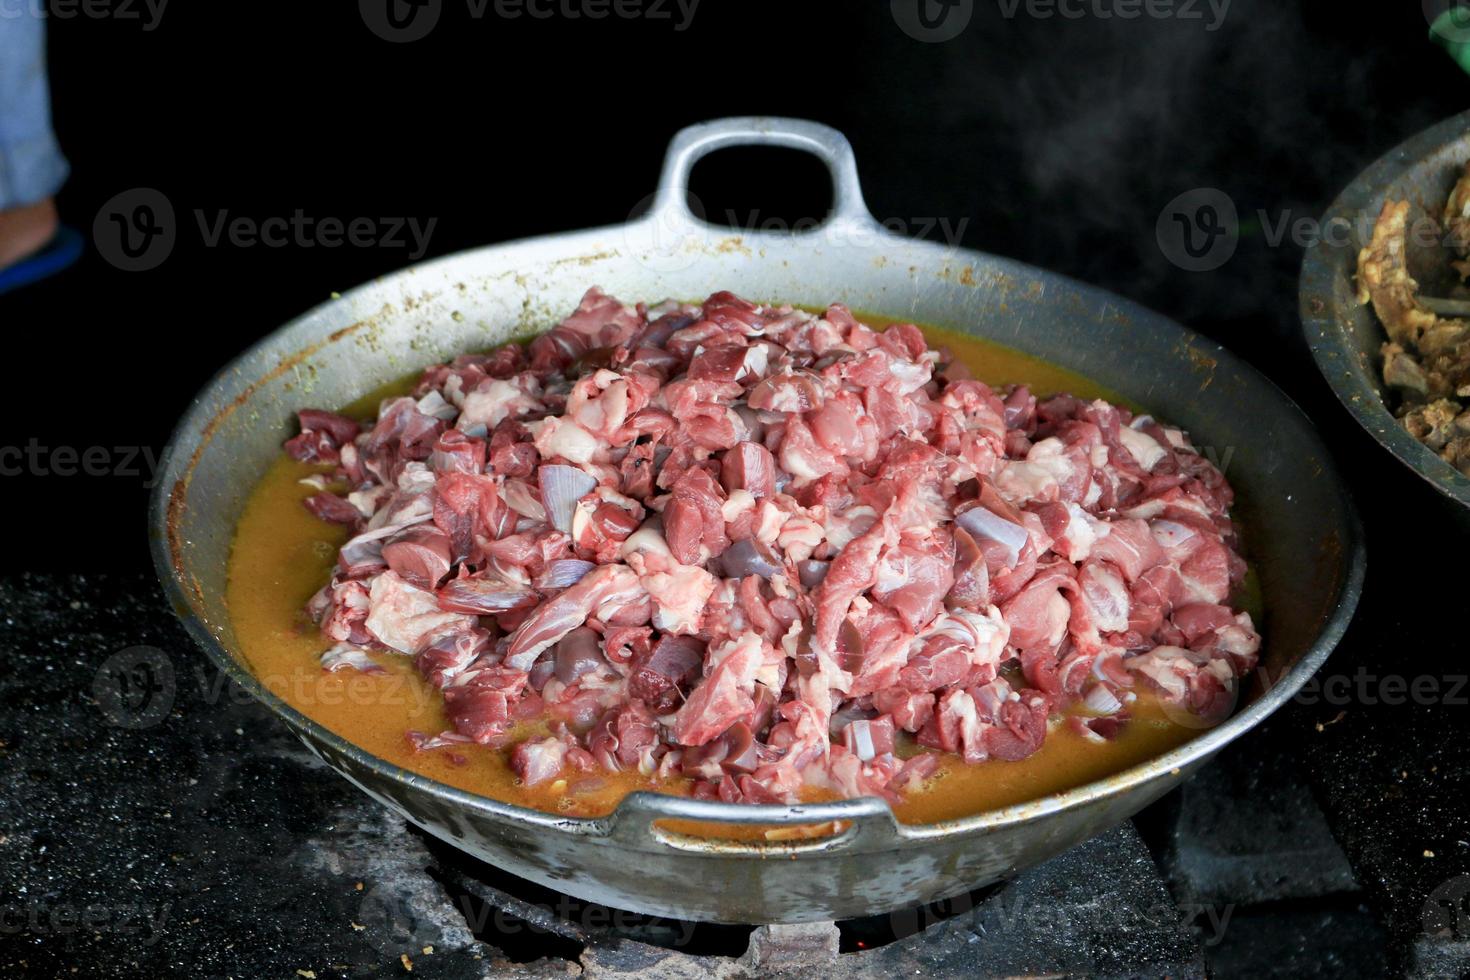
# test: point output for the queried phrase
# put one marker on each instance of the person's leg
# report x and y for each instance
(32, 168)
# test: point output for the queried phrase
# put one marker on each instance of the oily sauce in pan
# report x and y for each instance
(282, 555)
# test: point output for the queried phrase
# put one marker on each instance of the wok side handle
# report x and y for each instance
(689, 145)
(866, 824)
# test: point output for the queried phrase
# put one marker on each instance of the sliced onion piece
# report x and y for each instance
(1100, 700)
(563, 573)
(561, 488)
(520, 498)
(861, 739)
(983, 524)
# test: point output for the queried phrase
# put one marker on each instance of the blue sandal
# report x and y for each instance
(64, 249)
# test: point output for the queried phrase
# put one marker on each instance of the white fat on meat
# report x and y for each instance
(406, 618)
(983, 635)
(1039, 476)
(679, 592)
(344, 655)
(1081, 533)
(1144, 448)
(416, 478)
(839, 529)
(736, 505)
(910, 376)
(369, 500)
(434, 405)
(1106, 596)
(492, 402)
(557, 436)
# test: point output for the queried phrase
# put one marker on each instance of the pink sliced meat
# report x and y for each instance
(724, 696)
(405, 618)
(465, 506)
(1039, 613)
(694, 524)
(1130, 545)
(420, 556)
(915, 576)
(1020, 727)
(538, 760)
(332, 508)
(746, 545)
(749, 466)
(566, 611)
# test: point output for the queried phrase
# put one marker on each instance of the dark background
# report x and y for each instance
(1054, 140)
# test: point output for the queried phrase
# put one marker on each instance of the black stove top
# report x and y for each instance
(159, 822)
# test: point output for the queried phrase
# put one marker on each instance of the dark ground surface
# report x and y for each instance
(172, 827)
(1335, 837)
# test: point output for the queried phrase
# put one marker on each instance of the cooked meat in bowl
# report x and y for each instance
(1426, 359)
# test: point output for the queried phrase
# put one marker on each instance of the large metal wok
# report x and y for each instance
(1302, 534)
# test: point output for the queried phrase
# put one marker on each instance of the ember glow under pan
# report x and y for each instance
(1301, 534)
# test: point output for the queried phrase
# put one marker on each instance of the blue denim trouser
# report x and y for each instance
(31, 165)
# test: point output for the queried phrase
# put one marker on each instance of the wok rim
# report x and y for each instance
(649, 806)
(1327, 335)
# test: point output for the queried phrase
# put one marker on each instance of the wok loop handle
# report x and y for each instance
(867, 822)
(689, 145)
